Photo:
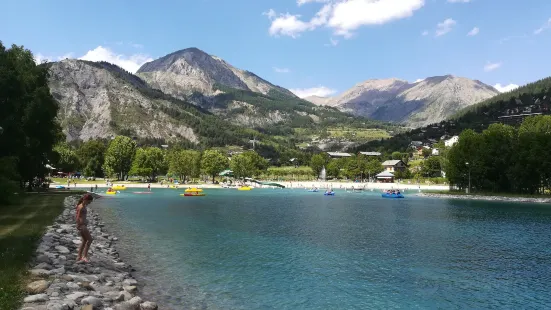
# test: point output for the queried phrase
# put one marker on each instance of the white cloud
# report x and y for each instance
(332, 42)
(282, 70)
(545, 26)
(445, 27)
(505, 88)
(343, 16)
(419, 80)
(130, 63)
(492, 66)
(320, 91)
(425, 33)
(301, 2)
(349, 15)
(474, 32)
(270, 13)
(459, 1)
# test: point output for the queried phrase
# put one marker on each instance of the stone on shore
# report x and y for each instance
(63, 250)
(91, 300)
(40, 272)
(148, 305)
(130, 289)
(104, 283)
(37, 287)
(36, 298)
(130, 282)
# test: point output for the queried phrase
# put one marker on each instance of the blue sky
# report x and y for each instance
(318, 47)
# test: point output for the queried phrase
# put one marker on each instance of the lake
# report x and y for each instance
(291, 249)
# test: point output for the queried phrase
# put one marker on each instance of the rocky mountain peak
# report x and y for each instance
(416, 104)
(190, 70)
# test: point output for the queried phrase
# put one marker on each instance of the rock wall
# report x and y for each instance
(59, 283)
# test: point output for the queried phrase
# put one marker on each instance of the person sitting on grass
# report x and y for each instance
(82, 227)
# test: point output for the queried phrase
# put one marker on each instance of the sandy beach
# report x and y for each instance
(298, 184)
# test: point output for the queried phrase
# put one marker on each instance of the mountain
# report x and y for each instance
(508, 108)
(236, 95)
(192, 70)
(413, 104)
(101, 100)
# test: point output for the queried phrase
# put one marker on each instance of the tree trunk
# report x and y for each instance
(214, 175)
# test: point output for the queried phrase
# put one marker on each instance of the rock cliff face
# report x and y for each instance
(97, 103)
(190, 70)
(414, 104)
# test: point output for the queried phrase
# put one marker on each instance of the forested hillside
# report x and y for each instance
(507, 108)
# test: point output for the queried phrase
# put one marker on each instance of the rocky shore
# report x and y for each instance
(488, 198)
(59, 283)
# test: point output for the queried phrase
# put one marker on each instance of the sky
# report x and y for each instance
(312, 47)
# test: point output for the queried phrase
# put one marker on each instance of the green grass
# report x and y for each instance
(21, 226)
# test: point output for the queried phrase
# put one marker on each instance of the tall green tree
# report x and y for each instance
(333, 169)
(91, 156)
(184, 163)
(317, 163)
(27, 113)
(431, 167)
(119, 156)
(248, 164)
(65, 158)
(149, 162)
(213, 162)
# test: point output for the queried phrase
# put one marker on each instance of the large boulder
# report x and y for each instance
(37, 287)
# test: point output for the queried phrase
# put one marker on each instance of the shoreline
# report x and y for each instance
(59, 283)
(287, 184)
(486, 198)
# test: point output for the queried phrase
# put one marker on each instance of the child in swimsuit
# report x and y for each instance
(82, 227)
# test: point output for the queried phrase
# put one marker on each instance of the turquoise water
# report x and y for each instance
(290, 249)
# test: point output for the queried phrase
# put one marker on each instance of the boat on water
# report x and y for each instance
(193, 192)
(108, 192)
(244, 188)
(314, 190)
(392, 195)
(119, 187)
(329, 193)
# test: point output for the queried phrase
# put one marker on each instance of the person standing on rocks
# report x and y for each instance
(82, 223)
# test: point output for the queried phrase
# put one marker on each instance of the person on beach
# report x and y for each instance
(82, 223)
(149, 187)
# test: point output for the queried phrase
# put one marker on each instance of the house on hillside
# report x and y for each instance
(435, 152)
(450, 142)
(370, 153)
(415, 144)
(335, 155)
(394, 165)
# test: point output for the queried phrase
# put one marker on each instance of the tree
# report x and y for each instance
(213, 162)
(333, 169)
(64, 158)
(91, 156)
(148, 162)
(184, 163)
(396, 155)
(426, 152)
(27, 113)
(317, 163)
(119, 156)
(373, 167)
(431, 167)
(248, 164)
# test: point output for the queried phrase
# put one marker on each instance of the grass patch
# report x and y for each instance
(21, 226)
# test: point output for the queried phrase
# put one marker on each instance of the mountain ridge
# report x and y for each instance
(416, 104)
